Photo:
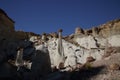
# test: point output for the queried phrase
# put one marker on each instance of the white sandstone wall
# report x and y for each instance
(74, 54)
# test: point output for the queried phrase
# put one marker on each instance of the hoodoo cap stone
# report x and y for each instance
(60, 30)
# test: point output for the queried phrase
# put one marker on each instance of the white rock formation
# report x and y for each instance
(89, 46)
(87, 42)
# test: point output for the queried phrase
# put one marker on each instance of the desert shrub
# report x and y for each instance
(88, 66)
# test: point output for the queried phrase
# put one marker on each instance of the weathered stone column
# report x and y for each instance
(60, 45)
(60, 56)
(19, 61)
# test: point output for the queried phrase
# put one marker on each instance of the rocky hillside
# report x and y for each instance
(85, 46)
(105, 30)
(76, 55)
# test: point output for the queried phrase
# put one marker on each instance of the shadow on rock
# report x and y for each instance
(85, 74)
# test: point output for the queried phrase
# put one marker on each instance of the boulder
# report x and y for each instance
(90, 59)
(79, 30)
(114, 66)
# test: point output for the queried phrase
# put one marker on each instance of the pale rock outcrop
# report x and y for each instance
(79, 31)
(33, 39)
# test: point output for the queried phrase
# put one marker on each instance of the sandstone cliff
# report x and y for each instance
(6, 24)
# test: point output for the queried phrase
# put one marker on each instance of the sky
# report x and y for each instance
(48, 16)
